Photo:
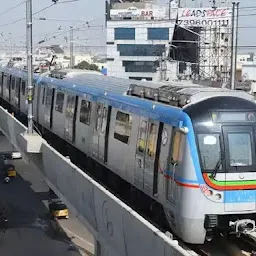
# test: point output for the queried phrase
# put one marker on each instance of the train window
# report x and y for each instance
(176, 147)
(43, 97)
(85, 112)
(123, 127)
(104, 120)
(209, 147)
(240, 149)
(48, 98)
(70, 106)
(59, 102)
(23, 87)
(152, 139)
(141, 145)
(13, 83)
(99, 117)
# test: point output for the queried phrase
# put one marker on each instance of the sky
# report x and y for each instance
(78, 13)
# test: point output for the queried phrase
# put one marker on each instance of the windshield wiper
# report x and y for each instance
(217, 167)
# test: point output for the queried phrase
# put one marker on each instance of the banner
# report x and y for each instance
(204, 17)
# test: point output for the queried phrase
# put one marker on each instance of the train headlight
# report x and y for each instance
(217, 196)
(208, 192)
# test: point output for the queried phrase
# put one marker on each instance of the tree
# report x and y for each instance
(85, 65)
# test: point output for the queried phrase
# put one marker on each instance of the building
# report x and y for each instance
(245, 57)
(249, 71)
(164, 42)
(139, 36)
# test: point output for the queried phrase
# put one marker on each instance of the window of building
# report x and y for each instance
(59, 102)
(141, 78)
(141, 49)
(124, 33)
(23, 87)
(158, 33)
(85, 112)
(123, 127)
(141, 66)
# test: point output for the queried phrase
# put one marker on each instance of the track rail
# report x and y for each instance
(232, 246)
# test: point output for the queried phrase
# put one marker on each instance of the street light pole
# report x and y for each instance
(233, 52)
(29, 65)
(71, 47)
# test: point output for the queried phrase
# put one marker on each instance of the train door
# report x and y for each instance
(175, 156)
(49, 101)
(70, 118)
(240, 168)
(147, 156)
(101, 132)
(17, 93)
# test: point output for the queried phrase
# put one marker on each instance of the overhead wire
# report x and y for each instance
(39, 11)
(12, 8)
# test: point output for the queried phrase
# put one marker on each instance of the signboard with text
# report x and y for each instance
(149, 13)
(204, 17)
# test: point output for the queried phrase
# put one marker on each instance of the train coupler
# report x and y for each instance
(245, 226)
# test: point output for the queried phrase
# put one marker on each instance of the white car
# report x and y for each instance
(16, 155)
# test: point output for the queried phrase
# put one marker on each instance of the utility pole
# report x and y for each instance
(233, 49)
(236, 45)
(11, 45)
(29, 65)
(71, 47)
(170, 2)
(214, 4)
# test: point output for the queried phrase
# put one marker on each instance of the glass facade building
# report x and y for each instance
(136, 47)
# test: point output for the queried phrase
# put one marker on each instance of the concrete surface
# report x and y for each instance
(30, 231)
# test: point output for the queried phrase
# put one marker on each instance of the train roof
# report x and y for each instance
(174, 93)
(71, 73)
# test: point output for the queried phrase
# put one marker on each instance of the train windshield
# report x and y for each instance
(238, 150)
(209, 147)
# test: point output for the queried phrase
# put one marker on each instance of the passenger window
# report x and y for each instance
(13, 83)
(1, 78)
(123, 127)
(48, 99)
(141, 145)
(99, 119)
(152, 137)
(43, 97)
(23, 87)
(9, 81)
(59, 102)
(104, 120)
(85, 112)
(176, 146)
(70, 106)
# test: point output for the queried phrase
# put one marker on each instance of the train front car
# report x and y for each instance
(224, 134)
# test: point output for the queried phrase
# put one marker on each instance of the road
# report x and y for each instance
(29, 230)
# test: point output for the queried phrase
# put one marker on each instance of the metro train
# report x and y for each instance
(189, 148)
